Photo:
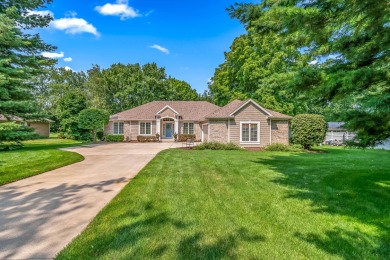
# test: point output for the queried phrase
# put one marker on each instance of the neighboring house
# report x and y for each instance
(41, 127)
(245, 123)
(337, 132)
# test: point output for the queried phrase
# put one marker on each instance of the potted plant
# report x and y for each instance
(175, 136)
(158, 137)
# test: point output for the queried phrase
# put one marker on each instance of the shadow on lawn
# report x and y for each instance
(343, 182)
(139, 236)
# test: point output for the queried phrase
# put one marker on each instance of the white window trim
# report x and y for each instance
(113, 127)
(151, 128)
(193, 128)
(258, 132)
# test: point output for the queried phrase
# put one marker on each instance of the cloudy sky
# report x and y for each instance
(188, 38)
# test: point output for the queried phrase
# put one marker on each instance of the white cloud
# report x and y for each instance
(313, 62)
(68, 68)
(68, 59)
(70, 14)
(53, 55)
(41, 13)
(160, 48)
(74, 26)
(120, 8)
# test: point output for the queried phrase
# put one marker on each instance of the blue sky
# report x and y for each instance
(188, 38)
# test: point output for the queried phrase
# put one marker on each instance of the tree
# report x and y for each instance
(308, 129)
(69, 107)
(20, 59)
(181, 90)
(348, 43)
(93, 120)
(257, 67)
(11, 135)
(122, 87)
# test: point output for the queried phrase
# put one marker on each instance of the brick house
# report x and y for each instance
(245, 123)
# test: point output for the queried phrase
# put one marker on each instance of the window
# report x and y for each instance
(145, 128)
(188, 128)
(250, 132)
(118, 128)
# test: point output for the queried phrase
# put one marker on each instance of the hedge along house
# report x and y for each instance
(245, 123)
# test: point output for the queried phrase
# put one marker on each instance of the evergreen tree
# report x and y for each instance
(348, 43)
(20, 61)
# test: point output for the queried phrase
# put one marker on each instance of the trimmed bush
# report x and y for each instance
(144, 139)
(184, 137)
(308, 130)
(114, 138)
(217, 146)
(278, 147)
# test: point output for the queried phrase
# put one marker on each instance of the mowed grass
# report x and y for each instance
(247, 205)
(36, 157)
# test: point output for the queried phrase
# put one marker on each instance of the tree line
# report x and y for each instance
(62, 94)
(327, 57)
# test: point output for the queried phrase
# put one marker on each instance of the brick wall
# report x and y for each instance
(218, 131)
(280, 131)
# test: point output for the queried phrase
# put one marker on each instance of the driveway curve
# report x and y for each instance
(40, 215)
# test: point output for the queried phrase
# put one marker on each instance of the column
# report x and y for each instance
(176, 126)
(158, 126)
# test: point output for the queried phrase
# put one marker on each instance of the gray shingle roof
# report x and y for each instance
(226, 111)
(189, 110)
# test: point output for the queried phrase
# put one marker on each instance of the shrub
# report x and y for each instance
(217, 146)
(114, 138)
(308, 130)
(144, 139)
(184, 137)
(278, 147)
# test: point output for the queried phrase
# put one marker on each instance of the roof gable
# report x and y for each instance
(231, 109)
(165, 108)
(250, 101)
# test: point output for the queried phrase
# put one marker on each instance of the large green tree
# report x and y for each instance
(122, 87)
(348, 43)
(257, 66)
(20, 60)
(68, 109)
(93, 119)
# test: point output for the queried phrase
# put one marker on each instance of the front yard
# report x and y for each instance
(36, 157)
(247, 205)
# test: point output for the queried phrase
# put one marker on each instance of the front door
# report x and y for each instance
(168, 130)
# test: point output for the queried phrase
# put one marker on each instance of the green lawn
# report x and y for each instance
(36, 157)
(247, 205)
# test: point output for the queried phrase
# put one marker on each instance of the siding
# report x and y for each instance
(218, 131)
(41, 128)
(250, 113)
(167, 112)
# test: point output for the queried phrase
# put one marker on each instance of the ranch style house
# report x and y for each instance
(245, 123)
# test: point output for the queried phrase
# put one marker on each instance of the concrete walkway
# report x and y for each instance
(40, 215)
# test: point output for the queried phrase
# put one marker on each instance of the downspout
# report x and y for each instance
(270, 131)
(228, 130)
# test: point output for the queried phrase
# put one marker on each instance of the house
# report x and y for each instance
(41, 127)
(337, 132)
(245, 123)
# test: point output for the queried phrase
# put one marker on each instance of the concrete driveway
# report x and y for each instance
(40, 215)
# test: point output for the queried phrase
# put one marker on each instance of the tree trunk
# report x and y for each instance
(94, 135)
